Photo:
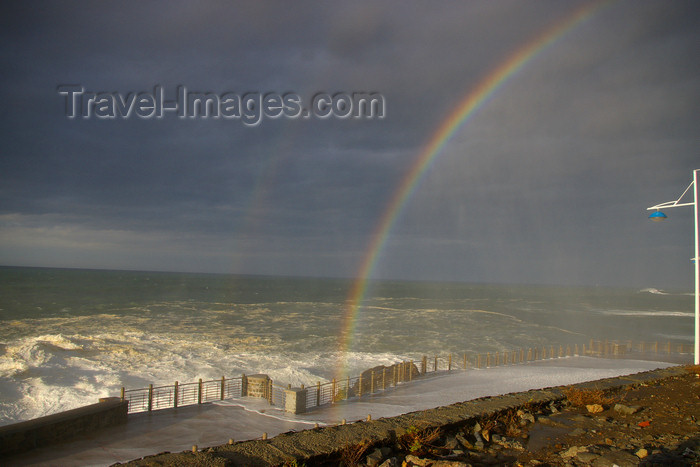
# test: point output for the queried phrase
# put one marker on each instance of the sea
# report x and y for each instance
(69, 336)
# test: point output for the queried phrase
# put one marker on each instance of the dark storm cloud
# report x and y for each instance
(548, 182)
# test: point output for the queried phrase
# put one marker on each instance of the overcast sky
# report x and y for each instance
(547, 183)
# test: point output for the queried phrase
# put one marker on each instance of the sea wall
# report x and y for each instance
(43, 431)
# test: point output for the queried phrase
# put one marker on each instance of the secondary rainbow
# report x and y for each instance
(468, 106)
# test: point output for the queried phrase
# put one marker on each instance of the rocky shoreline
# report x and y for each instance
(651, 418)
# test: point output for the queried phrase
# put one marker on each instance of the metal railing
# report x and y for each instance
(380, 378)
(179, 395)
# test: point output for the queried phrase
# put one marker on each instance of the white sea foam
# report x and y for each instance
(55, 372)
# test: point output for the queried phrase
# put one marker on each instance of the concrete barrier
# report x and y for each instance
(43, 431)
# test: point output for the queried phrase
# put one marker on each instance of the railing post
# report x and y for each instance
(318, 393)
(150, 397)
(347, 388)
(176, 390)
(424, 365)
(270, 395)
(359, 386)
(244, 385)
(384, 378)
(435, 364)
(199, 391)
(488, 359)
(393, 379)
(123, 393)
(371, 383)
(465, 361)
(449, 363)
(478, 360)
(223, 387)
(410, 370)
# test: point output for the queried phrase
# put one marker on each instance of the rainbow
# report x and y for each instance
(467, 107)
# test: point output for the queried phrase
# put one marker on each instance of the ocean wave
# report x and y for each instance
(677, 314)
(653, 291)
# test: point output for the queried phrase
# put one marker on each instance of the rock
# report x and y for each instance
(573, 451)
(626, 410)
(577, 432)
(526, 417)
(451, 443)
(392, 462)
(642, 453)
(509, 443)
(374, 458)
(413, 461)
(463, 441)
(477, 429)
(621, 458)
(594, 408)
(444, 463)
(586, 457)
